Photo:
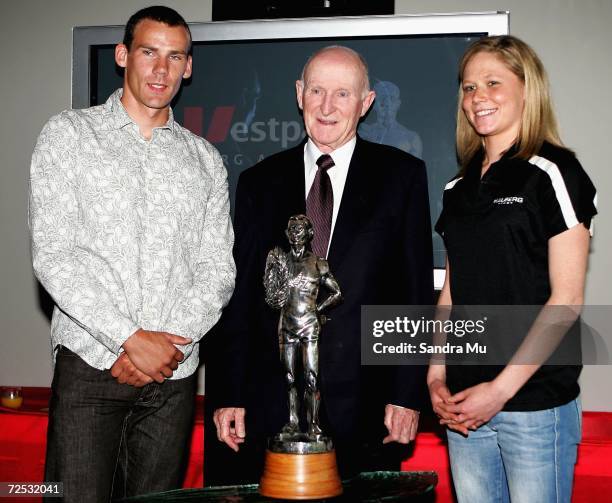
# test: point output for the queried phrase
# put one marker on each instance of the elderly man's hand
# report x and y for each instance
(230, 426)
(402, 424)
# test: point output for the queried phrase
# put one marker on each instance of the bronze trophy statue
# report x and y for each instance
(300, 465)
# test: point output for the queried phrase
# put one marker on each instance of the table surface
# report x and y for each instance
(368, 487)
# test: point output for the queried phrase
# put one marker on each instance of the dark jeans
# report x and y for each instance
(109, 440)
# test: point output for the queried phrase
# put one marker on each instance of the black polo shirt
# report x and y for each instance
(496, 231)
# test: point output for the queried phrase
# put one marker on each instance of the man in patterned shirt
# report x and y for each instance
(131, 237)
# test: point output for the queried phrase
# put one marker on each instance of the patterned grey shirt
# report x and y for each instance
(128, 233)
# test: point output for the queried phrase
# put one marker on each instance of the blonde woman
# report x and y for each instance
(516, 225)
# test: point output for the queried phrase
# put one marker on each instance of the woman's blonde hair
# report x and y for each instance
(538, 122)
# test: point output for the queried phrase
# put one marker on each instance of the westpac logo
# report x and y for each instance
(221, 126)
(508, 200)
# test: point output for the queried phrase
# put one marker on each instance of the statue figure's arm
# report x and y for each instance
(276, 278)
(327, 279)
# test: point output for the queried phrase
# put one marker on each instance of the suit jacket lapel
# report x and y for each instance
(353, 206)
(289, 188)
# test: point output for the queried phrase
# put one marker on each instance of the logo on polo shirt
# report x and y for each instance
(508, 200)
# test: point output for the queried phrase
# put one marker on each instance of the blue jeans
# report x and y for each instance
(109, 440)
(522, 457)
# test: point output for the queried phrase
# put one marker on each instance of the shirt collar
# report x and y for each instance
(119, 118)
(473, 168)
(475, 165)
(511, 152)
(341, 156)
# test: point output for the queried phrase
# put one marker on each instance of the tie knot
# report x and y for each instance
(325, 162)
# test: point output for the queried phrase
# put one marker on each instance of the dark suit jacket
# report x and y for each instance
(380, 253)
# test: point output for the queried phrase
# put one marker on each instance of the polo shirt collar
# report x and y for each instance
(474, 166)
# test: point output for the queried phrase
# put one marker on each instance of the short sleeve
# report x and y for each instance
(567, 195)
(440, 226)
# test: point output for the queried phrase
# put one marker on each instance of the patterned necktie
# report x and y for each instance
(320, 206)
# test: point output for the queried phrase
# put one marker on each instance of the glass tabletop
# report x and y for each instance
(369, 487)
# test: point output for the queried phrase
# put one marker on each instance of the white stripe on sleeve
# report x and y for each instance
(563, 198)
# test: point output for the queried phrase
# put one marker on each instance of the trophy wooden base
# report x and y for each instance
(300, 476)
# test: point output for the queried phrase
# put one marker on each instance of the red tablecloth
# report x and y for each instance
(23, 433)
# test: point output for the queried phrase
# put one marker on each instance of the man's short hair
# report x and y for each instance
(361, 60)
(158, 13)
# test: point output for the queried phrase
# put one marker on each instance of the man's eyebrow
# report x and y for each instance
(142, 46)
(156, 49)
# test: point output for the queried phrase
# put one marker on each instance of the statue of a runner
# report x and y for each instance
(292, 280)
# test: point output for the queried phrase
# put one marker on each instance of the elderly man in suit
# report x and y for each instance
(369, 206)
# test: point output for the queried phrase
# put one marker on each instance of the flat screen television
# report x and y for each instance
(241, 96)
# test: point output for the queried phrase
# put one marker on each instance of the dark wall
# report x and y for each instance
(225, 10)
